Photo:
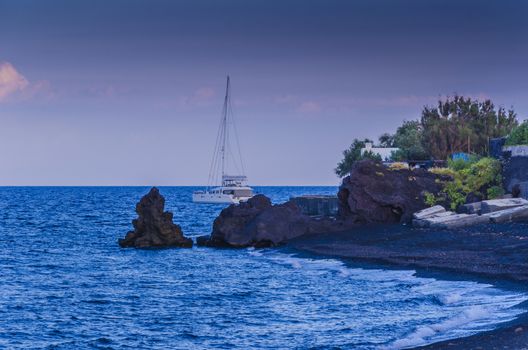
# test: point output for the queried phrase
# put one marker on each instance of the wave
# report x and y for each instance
(253, 252)
(421, 334)
(463, 307)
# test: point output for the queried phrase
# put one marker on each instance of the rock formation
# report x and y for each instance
(257, 223)
(154, 227)
(373, 193)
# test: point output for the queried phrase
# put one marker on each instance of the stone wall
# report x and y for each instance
(514, 166)
(515, 175)
(317, 205)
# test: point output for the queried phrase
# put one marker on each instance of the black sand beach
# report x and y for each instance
(494, 253)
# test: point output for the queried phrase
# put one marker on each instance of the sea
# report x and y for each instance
(66, 284)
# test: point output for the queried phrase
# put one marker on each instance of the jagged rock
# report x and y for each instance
(257, 223)
(374, 193)
(493, 205)
(154, 227)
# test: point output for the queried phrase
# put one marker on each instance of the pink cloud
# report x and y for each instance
(200, 97)
(309, 107)
(15, 87)
(11, 81)
(204, 93)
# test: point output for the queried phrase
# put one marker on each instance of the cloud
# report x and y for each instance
(11, 81)
(204, 93)
(309, 107)
(200, 97)
(285, 99)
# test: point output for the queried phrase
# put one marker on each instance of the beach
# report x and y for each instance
(494, 254)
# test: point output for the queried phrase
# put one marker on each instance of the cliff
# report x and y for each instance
(373, 193)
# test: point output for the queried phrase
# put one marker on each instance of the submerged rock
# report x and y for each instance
(154, 227)
(257, 223)
(372, 193)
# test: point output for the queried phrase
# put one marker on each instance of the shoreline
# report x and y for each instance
(464, 254)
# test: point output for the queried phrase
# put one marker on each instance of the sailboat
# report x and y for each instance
(224, 188)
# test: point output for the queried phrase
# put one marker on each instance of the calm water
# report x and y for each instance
(65, 284)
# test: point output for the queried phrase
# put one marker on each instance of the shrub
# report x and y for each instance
(430, 199)
(443, 171)
(459, 163)
(456, 193)
(482, 177)
(519, 135)
(495, 192)
(483, 174)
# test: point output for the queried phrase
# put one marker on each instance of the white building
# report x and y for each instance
(384, 152)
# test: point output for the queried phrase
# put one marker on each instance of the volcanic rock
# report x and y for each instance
(257, 223)
(154, 227)
(373, 193)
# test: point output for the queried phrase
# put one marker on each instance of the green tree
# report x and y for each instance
(519, 135)
(386, 140)
(409, 140)
(353, 154)
(462, 124)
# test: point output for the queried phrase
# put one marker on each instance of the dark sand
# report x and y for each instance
(497, 254)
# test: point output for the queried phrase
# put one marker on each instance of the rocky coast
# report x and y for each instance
(382, 218)
(374, 226)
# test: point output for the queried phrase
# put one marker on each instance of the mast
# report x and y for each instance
(224, 127)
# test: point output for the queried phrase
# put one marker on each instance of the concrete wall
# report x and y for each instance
(514, 166)
(516, 151)
(317, 205)
(515, 172)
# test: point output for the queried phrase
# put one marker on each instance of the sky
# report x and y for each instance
(129, 92)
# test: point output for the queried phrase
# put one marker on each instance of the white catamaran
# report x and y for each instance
(232, 188)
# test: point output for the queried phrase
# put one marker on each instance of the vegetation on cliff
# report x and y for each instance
(456, 124)
(479, 178)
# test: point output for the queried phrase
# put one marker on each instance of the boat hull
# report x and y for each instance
(214, 198)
